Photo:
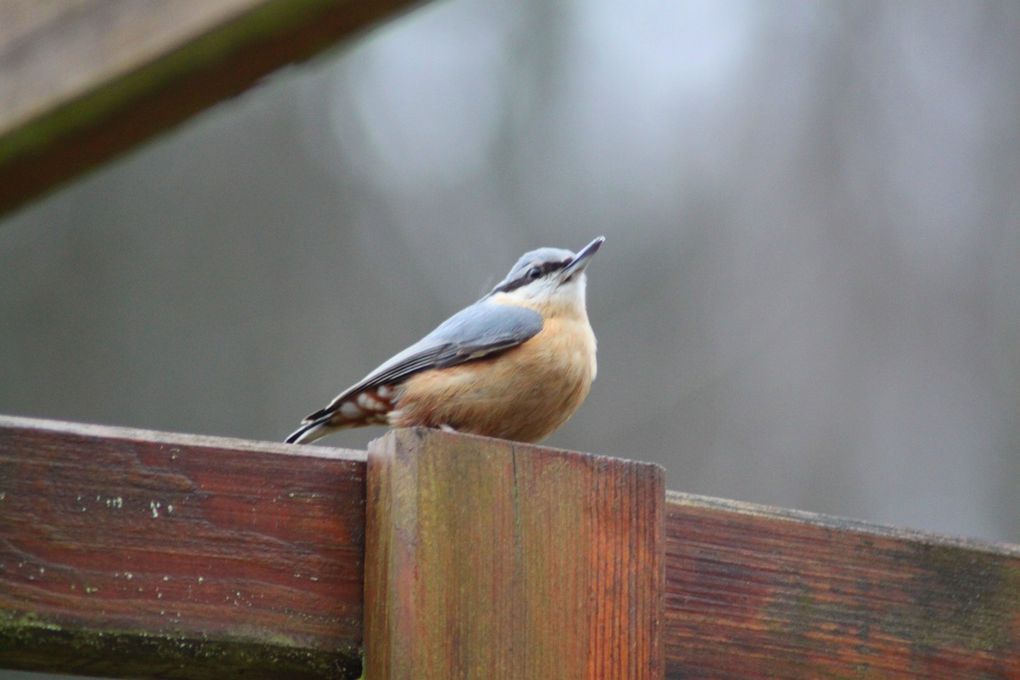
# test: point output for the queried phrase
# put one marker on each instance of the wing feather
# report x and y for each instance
(472, 333)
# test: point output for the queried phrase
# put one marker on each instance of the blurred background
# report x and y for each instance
(809, 295)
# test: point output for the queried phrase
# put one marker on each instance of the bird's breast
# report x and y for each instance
(524, 393)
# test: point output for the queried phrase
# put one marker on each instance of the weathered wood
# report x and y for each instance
(489, 559)
(81, 80)
(757, 592)
(130, 553)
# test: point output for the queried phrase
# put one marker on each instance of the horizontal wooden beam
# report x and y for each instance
(758, 592)
(130, 553)
(83, 80)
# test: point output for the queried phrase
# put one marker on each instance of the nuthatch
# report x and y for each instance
(515, 365)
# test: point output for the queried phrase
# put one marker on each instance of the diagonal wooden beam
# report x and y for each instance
(84, 80)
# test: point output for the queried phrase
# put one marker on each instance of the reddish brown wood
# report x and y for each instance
(136, 553)
(128, 553)
(756, 592)
(489, 559)
(88, 119)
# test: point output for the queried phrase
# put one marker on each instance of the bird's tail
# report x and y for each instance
(309, 432)
(350, 409)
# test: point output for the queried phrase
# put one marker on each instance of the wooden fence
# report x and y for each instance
(436, 555)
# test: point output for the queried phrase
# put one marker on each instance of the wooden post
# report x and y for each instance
(489, 559)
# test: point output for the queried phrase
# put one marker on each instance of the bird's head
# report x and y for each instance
(550, 280)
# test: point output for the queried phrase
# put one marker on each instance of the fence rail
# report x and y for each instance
(754, 591)
(128, 553)
(133, 553)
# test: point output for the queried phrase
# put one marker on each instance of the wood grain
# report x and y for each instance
(757, 592)
(130, 553)
(82, 80)
(489, 559)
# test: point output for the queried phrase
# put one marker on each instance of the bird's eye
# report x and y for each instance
(534, 272)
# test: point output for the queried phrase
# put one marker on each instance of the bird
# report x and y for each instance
(515, 365)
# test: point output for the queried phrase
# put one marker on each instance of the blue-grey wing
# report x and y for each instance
(482, 329)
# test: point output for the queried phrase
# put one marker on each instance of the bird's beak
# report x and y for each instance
(582, 259)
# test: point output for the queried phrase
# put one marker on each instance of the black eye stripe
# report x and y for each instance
(523, 279)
